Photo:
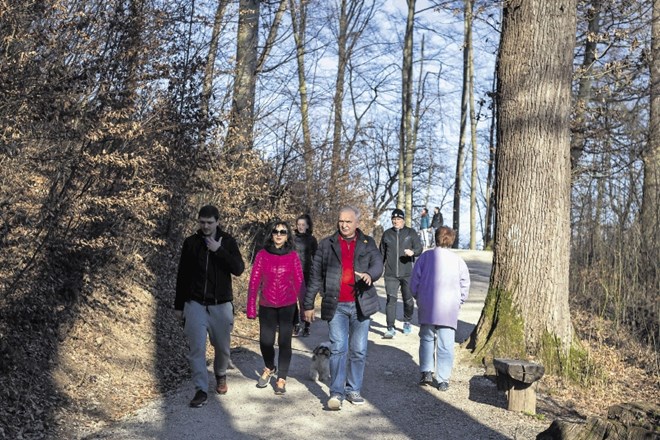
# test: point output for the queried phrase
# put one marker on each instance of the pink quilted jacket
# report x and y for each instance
(276, 279)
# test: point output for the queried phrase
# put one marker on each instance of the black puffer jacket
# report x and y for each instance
(306, 246)
(392, 245)
(205, 276)
(326, 275)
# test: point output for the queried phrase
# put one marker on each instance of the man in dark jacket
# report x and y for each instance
(399, 247)
(344, 269)
(204, 298)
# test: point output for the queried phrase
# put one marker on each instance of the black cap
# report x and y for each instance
(398, 213)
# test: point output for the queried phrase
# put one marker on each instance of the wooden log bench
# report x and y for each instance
(518, 379)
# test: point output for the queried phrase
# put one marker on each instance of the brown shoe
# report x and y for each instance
(280, 386)
(222, 384)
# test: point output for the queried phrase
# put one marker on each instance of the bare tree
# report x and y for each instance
(241, 120)
(354, 16)
(299, 24)
(460, 156)
(406, 153)
(650, 215)
(469, 5)
(585, 84)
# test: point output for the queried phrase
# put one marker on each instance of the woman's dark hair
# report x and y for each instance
(445, 236)
(308, 219)
(268, 240)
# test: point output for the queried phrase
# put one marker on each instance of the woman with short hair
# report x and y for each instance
(440, 283)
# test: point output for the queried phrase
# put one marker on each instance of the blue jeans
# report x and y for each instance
(348, 338)
(428, 334)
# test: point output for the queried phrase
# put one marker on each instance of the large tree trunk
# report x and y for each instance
(526, 311)
(241, 121)
(651, 157)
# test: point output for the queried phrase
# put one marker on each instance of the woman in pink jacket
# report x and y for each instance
(277, 281)
(440, 283)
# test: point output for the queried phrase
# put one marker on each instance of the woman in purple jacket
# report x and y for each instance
(277, 280)
(440, 283)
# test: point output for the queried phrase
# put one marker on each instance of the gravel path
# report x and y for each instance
(396, 407)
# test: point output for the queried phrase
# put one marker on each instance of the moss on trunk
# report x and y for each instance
(501, 333)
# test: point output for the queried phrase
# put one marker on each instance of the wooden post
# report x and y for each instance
(517, 378)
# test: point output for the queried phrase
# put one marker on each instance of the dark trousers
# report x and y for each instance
(270, 318)
(392, 285)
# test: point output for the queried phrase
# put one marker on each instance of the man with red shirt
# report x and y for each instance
(344, 269)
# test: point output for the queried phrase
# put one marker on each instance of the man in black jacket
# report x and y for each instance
(204, 298)
(399, 247)
(344, 269)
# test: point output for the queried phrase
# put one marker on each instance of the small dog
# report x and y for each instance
(319, 368)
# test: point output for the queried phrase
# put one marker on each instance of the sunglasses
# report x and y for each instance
(279, 232)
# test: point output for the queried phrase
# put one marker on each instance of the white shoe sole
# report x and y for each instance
(334, 403)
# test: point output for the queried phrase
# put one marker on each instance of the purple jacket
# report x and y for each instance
(440, 283)
(276, 279)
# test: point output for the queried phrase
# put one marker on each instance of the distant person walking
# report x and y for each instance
(344, 269)
(277, 282)
(399, 247)
(306, 246)
(440, 283)
(204, 299)
(437, 220)
(424, 228)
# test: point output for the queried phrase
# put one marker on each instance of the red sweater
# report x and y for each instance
(346, 288)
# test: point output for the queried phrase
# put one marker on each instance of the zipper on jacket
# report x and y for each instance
(397, 253)
(206, 274)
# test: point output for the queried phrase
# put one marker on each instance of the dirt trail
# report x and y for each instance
(396, 407)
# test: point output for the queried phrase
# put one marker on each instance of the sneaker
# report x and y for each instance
(221, 388)
(427, 378)
(280, 386)
(334, 403)
(296, 330)
(355, 398)
(390, 333)
(407, 329)
(305, 332)
(199, 400)
(443, 386)
(264, 380)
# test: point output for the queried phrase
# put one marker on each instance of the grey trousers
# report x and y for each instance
(217, 321)
(391, 288)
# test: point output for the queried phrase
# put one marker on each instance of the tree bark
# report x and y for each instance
(207, 83)
(469, 5)
(527, 311)
(460, 156)
(299, 12)
(490, 188)
(406, 135)
(241, 121)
